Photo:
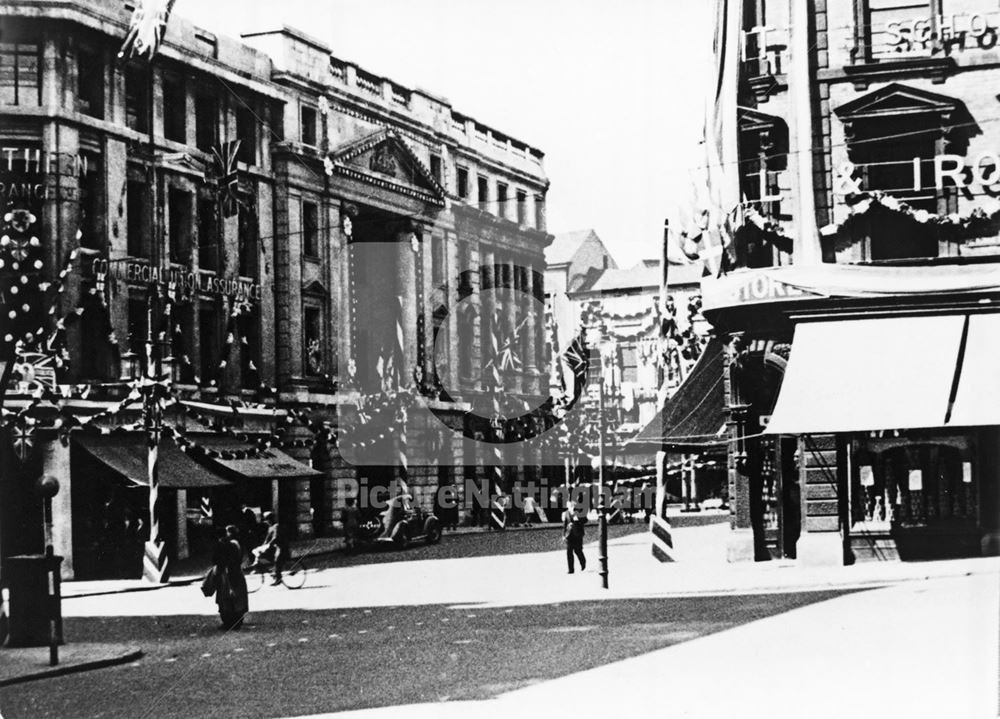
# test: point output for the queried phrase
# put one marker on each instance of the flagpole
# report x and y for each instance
(807, 247)
(664, 288)
(155, 565)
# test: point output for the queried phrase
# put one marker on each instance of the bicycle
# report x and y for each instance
(257, 572)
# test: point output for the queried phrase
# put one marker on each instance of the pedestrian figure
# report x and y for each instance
(349, 517)
(275, 546)
(230, 584)
(250, 527)
(573, 530)
(530, 509)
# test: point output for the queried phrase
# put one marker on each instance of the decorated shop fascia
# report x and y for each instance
(131, 270)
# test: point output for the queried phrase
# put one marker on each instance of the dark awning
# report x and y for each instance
(693, 418)
(126, 454)
(262, 464)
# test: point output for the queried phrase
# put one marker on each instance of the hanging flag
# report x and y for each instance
(715, 210)
(146, 29)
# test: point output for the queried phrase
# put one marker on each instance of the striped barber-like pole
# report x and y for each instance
(498, 514)
(662, 542)
(155, 563)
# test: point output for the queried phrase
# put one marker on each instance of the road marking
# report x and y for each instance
(239, 649)
(205, 655)
(462, 641)
(303, 640)
(362, 631)
(334, 636)
(272, 644)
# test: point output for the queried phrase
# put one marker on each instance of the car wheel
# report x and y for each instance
(400, 536)
(432, 530)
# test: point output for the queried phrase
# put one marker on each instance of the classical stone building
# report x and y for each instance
(278, 214)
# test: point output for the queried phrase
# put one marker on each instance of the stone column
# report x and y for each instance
(343, 302)
(531, 332)
(741, 541)
(822, 482)
(406, 289)
(450, 352)
(488, 299)
(510, 313)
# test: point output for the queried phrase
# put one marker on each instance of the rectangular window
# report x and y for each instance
(95, 361)
(174, 108)
(208, 342)
(462, 182)
(179, 217)
(539, 212)
(312, 333)
(308, 117)
(249, 241)
(137, 223)
(902, 28)
(136, 99)
(246, 132)
(438, 261)
(91, 206)
(182, 339)
(436, 171)
(20, 73)
(522, 207)
(310, 229)
(90, 82)
(208, 233)
(206, 122)
(250, 351)
(484, 193)
(630, 365)
(501, 200)
(137, 327)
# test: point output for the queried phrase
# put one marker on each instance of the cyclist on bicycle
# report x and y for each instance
(275, 546)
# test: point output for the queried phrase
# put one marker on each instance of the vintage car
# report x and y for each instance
(399, 525)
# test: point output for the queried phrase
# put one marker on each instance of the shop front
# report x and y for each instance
(868, 396)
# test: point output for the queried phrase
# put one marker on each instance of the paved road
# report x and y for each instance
(296, 662)
(539, 538)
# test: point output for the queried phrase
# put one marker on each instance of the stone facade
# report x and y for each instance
(263, 249)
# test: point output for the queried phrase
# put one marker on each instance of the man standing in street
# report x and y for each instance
(573, 530)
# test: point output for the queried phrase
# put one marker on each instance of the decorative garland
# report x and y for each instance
(967, 226)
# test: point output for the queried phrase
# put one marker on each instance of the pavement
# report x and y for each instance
(918, 649)
(931, 631)
(31, 663)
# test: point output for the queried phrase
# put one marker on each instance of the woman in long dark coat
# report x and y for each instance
(230, 584)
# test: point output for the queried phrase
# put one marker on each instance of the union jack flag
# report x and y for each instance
(145, 32)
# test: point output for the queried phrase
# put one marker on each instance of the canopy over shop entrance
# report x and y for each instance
(127, 455)
(890, 373)
(241, 461)
(693, 419)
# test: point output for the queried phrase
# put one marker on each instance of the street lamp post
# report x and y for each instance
(602, 509)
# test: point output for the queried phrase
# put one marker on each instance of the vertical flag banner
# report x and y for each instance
(716, 183)
(145, 32)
